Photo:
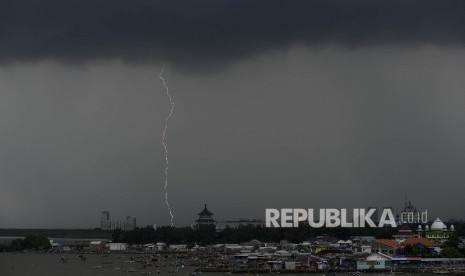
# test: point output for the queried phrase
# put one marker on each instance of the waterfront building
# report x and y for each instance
(205, 219)
(69, 244)
(375, 261)
(380, 261)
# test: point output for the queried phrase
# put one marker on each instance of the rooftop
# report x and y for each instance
(205, 212)
(386, 242)
(423, 241)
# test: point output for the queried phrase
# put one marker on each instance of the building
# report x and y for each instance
(97, 246)
(105, 221)
(423, 246)
(114, 246)
(416, 246)
(385, 246)
(70, 244)
(107, 224)
(380, 261)
(404, 233)
(438, 233)
(375, 261)
(205, 219)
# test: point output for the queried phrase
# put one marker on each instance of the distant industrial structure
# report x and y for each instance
(107, 224)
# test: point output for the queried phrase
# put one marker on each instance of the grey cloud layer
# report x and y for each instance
(212, 32)
(332, 127)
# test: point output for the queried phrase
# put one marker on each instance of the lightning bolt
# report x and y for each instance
(163, 141)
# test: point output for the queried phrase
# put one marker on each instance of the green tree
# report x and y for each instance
(15, 245)
(36, 242)
(411, 250)
(117, 235)
(452, 241)
(451, 252)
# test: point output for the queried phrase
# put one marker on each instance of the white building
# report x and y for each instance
(115, 246)
(438, 233)
(375, 261)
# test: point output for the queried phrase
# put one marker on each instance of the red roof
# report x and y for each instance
(388, 243)
(414, 241)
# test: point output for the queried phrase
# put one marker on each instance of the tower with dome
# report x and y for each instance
(438, 232)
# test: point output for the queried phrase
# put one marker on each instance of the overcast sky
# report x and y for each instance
(302, 104)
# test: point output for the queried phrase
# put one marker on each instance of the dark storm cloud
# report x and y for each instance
(216, 31)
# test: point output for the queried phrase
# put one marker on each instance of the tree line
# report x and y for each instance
(32, 242)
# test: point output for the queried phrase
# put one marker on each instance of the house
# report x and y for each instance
(366, 249)
(116, 246)
(274, 265)
(97, 246)
(160, 246)
(345, 244)
(362, 244)
(362, 240)
(385, 246)
(404, 233)
(293, 265)
(424, 246)
(375, 261)
(149, 247)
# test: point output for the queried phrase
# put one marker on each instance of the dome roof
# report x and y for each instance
(438, 225)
